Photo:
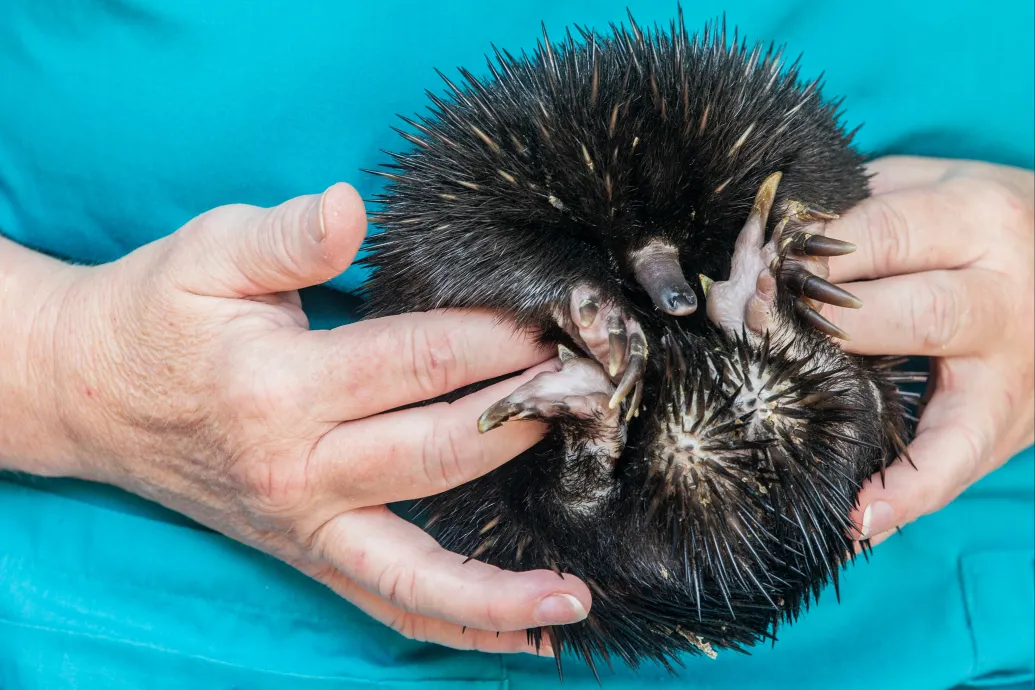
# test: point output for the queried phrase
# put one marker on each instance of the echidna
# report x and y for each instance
(702, 463)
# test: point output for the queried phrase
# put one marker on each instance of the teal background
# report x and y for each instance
(122, 119)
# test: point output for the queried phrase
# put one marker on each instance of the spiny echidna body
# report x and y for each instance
(702, 464)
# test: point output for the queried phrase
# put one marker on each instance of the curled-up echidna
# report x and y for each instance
(707, 443)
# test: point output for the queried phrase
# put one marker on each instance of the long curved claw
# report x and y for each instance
(496, 415)
(804, 283)
(801, 259)
(634, 406)
(587, 309)
(808, 214)
(633, 370)
(578, 388)
(818, 321)
(821, 245)
(617, 340)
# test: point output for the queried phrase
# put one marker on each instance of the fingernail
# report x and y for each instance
(877, 519)
(559, 609)
(315, 221)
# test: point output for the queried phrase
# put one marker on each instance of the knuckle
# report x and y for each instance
(273, 486)
(433, 360)
(495, 616)
(995, 205)
(940, 315)
(252, 388)
(275, 239)
(445, 456)
(975, 449)
(890, 234)
(397, 584)
(206, 231)
(993, 198)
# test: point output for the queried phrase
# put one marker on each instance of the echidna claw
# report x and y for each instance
(496, 415)
(821, 245)
(634, 406)
(587, 309)
(706, 284)
(807, 214)
(577, 388)
(818, 321)
(565, 354)
(617, 339)
(802, 282)
(633, 371)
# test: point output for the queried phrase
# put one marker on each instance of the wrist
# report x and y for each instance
(33, 290)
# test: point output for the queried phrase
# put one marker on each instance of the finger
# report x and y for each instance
(907, 232)
(937, 313)
(426, 629)
(952, 444)
(244, 251)
(896, 173)
(372, 366)
(404, 565)
(420, 451)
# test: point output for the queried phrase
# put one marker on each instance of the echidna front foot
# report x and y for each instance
(606, 331)
(578, 389)
(794, 259)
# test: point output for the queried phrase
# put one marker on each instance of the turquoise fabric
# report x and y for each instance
(121, 119)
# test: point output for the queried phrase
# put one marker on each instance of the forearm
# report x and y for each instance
(32, 285)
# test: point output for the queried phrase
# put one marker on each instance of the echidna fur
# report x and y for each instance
(727, 510)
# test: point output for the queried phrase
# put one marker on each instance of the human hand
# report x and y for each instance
(948, 246)
(188, 375)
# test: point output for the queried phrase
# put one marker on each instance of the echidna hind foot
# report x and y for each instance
(578, 392)
(580, 388)
(793, 261)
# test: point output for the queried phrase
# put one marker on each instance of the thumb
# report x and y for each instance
(246, 251)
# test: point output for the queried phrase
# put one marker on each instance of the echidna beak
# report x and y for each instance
(657, 270)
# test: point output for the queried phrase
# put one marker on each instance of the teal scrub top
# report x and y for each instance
(122, 119)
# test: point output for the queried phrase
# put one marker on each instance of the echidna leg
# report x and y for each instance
(798, 254)
(793, 260)
(747, 298)
(578, 388)
(613, 337)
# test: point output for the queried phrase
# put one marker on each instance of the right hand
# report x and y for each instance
(186, 373)
(945, 268)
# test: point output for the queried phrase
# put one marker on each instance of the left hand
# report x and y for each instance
(947, 247)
